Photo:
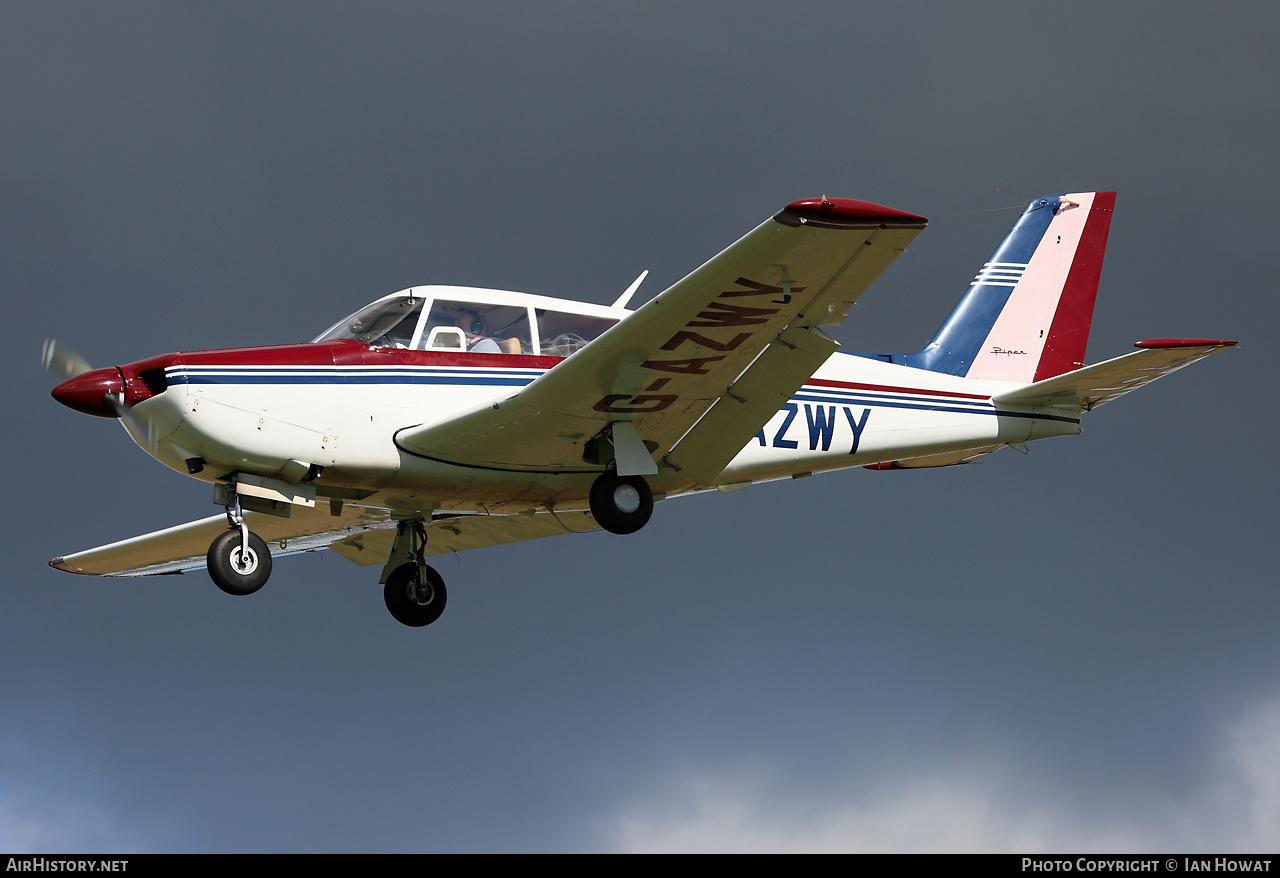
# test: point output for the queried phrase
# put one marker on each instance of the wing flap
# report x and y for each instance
(1094, 385)
(749, 402)
(479, 531)
(459, 533)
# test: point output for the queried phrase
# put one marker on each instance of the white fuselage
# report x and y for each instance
(274, 412)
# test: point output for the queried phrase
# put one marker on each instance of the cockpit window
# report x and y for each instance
(387, 324)
(468, 325)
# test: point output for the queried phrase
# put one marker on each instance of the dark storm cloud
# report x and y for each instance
(1080, 639)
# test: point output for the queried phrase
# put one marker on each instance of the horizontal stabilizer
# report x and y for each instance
(1094, 385)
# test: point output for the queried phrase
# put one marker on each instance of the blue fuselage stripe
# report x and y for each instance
(511, 378)
(882, 402)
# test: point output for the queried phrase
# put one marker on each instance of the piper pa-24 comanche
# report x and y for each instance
(444, 418)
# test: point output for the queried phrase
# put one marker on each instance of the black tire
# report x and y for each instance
(621, 504)
(406, 602)
(223, 569)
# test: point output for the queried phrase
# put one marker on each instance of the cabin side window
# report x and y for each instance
(562, 333)
(454, 325)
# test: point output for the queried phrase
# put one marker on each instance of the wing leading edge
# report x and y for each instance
(661, 369)
(360, 534)
(184, 546)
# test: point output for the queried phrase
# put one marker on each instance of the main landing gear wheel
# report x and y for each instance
(621, 504)
(415, 601)
(238, 572)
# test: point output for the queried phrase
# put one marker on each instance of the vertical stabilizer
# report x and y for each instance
(1026, 316)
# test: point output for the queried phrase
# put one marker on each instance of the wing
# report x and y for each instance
(359, 534)
(654, 375)
(1092, 386)
(184, 547)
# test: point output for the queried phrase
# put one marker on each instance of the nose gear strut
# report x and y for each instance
(239, 561)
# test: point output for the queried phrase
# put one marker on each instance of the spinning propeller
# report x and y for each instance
(60, 360)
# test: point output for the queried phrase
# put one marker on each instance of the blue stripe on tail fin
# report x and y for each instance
(1026, 315)
(956, 343)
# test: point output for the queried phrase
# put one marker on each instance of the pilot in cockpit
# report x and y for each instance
(477, 333)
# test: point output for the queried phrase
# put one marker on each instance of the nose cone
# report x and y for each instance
(84, 393)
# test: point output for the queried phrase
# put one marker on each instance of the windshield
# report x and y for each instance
(389, 323)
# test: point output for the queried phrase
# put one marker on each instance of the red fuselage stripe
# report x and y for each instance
(888, 388)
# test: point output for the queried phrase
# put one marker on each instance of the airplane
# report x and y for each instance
(443, 418)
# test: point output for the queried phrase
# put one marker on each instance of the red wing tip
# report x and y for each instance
(888, 464)
(1182, 342)
(848, 211)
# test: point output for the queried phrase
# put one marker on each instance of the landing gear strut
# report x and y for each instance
(621, 504)
(415, 593)
(239, 561)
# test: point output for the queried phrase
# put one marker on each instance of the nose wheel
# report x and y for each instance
(239, 561)
(621, 504)
(236, 567)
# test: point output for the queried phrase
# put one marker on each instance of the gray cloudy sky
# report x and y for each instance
(1072, 650)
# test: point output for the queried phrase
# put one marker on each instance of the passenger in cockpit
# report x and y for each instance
(477, 332)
